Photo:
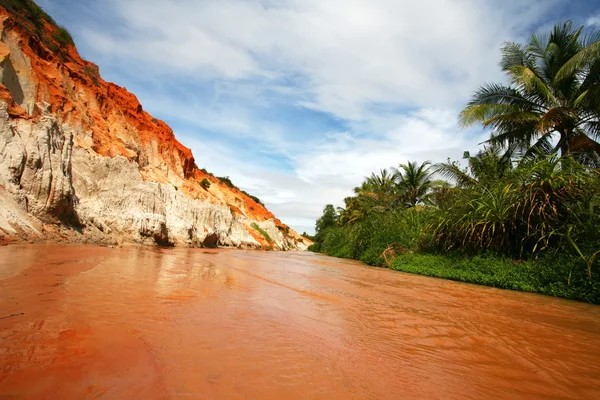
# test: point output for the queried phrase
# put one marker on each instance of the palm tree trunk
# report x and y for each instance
(565, 143)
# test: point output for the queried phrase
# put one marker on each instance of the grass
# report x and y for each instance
(262, 232)
(559, 276)
(62, 36)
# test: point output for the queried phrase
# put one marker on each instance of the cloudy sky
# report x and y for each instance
(298, 100)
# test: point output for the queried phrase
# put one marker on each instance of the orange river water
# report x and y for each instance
(82, 322)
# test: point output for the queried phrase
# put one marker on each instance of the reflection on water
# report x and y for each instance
(89, 322)
(14, 259)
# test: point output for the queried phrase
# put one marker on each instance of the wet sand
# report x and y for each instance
(146, 323)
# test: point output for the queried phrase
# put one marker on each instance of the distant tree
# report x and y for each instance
(309, 237)
(328, 219)
(413, 181)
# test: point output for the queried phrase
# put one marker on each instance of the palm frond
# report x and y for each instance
(531, 82)
(453, 172)
(580, 59)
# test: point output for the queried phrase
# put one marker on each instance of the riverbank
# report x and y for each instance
(554, 273)
(561, 277)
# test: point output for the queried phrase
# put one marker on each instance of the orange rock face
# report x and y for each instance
(111, 120)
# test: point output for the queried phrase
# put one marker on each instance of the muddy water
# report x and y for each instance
(142, 323)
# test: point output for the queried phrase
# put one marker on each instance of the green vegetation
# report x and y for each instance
(548, 276)
(262, 232)
(62, 36)
(309, 237)
(32, 18)
(523, 213)
(205, 184)
(256, 199)
(226, 181)
(93, 73)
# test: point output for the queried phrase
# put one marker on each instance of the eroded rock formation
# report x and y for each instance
(80, 160)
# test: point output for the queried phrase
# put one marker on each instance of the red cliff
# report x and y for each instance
(78, 154)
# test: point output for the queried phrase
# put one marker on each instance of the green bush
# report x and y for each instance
(226, 181)
(205, 184)
(368, 239)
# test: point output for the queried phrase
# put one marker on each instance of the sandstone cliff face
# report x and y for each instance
(80, 160)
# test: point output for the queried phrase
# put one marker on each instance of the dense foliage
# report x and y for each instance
(524, 212)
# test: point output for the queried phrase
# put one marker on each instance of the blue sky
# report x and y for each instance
(298, 100)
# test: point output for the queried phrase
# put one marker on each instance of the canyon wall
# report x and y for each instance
(81, 161)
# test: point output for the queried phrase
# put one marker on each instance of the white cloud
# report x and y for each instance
(593, 21)
(350, 53)
(394, 73)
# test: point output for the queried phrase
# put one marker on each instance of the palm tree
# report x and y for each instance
(553, 100)
(357, 208)
(485, 168)
(382, 183)
(376, 194)
(413, 181)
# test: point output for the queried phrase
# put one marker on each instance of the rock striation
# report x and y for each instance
(80, 159)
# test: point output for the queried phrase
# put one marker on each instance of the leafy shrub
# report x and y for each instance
(368, 239)
(226, 181)
(543, 204)
(205, 184)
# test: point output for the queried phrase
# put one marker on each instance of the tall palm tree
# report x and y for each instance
(382, 183)
(485, 168)
(413, 181)
(553, 100)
